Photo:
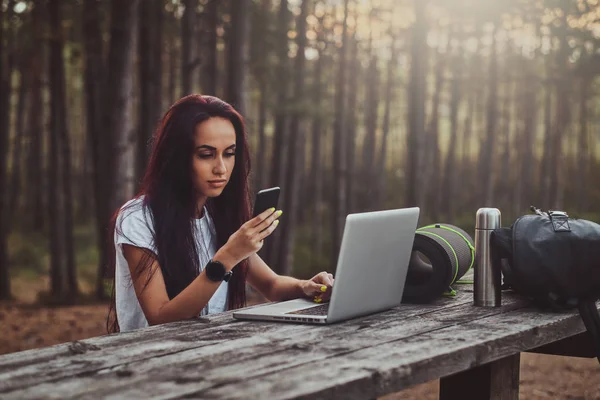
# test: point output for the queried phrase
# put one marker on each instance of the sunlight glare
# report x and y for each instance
(471, 44)
(20, 7)
(547, 44)
(312, 20)
(311, 53)
(432, 39)
(319, 10)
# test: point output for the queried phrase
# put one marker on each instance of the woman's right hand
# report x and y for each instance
(249, 239)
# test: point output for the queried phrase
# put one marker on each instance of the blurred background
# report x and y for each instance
(351, 106)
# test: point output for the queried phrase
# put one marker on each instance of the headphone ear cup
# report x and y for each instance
(420, 269)
(429, 271)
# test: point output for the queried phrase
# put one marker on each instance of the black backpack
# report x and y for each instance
(555, 261)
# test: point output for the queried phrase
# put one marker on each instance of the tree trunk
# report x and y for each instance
(467, 195)
(352, 123)
(119, 99)
(296, 149)
(449, 182)
(210, 83)
(261, 162)
(278, 169)
(259, 57)
(14, 189)
(5, 94)
(187, 66)
(63, 276)
(172, 55)
(280, 138)
(237, 63)
(370, 142)
(503, 184)
(583, 162)
(35, 175)
(339, 156)
(562, 119)
(488, 142)
(379, 199)
(99, 141)
(416, 107)
(67, 188)
(150, 65)
(432, 151)
(524, 191)
(316, 167)
(547, 155)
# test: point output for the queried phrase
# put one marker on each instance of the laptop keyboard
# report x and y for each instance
(318, 310)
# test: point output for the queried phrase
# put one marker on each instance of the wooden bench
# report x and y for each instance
(475, 351)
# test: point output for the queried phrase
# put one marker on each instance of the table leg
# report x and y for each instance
(498, 380)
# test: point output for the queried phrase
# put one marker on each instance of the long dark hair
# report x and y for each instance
(169, 194)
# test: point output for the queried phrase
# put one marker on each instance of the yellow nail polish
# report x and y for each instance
(272, 209)
(323, 289)
(279, 213)
(318, 299)
(276, 222)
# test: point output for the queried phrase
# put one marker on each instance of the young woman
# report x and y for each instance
(185, 245)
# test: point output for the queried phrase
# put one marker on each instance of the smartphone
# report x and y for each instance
(265, 199)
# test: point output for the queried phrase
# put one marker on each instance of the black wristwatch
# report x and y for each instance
(216, 272)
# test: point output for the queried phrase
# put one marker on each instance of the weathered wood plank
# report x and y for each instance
(167, 331)
(260, 354)
(394, 366)
(498, 380)
(23, 370)
(156, 333)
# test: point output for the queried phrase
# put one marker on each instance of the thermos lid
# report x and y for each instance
(487, 218)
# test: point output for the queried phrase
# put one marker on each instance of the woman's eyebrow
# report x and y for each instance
(205, 146)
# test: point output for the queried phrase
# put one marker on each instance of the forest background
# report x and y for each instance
(351, 106)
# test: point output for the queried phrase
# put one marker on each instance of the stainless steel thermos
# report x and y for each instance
(487, 280)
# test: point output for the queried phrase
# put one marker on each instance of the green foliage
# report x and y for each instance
(28, 254)
(108, 287)
(87, 254)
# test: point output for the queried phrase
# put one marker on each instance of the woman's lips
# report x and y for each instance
(217, 183)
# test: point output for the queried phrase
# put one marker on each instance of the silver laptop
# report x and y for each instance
(370, 274)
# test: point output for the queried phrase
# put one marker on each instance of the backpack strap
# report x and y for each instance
(591, 320)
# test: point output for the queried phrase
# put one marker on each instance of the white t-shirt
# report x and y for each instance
(135, 227)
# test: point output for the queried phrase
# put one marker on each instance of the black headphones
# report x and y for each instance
(441, 255)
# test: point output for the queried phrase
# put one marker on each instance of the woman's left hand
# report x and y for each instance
(319, 287)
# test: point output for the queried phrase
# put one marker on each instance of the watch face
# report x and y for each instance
(215, 271)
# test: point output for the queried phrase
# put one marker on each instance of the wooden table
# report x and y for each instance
(475, 351)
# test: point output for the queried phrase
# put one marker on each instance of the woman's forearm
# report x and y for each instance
(286, 288)
(188, 303)
(191, 300)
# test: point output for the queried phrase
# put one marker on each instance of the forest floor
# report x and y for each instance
(28, 325)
